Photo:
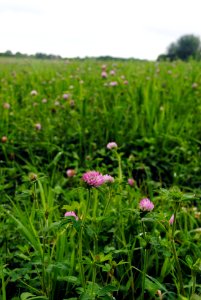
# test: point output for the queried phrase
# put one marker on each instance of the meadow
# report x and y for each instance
(100, 180)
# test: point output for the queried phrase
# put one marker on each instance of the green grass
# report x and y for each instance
(114, 249)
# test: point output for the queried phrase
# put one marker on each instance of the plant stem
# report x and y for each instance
(3, 285)
(194, 281)
(145, 252)
(81, 237)
(178, 267)
(119, 167)
(144, 272)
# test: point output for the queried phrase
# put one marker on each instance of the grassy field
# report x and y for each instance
(69, 233)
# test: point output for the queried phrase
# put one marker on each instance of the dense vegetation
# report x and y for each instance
(57, 118)
(186, 47)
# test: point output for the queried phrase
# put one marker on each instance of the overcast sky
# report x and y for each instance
(120, 28)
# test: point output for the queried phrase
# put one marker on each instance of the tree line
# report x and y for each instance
(38, 55)
(185, 48)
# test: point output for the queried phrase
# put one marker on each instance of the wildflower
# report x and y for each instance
(197, 215)
(33, 176)
(44, 100)
(93, 178)
(4, 139)
(6, 105)
(103, 67)
(72, 103)
(70, 172)
(108, 178)
(38, 126)
(65, 96)
(194, 85)
(112, 145)
(56, 103)
(171, 221)
(159, 293)
(71, 214)
(146, 204)
(104, 74)
(125, 82)
(112, 72)
(34, 93)
(113, 83)
(131, 181)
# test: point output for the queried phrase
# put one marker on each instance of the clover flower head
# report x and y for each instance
(131, 181)
(103, 67)
(70, 172)
(65, 96)
(146, 205)
(171, 221)
(33, 176)
(104, 74)
(34, 93)
(4, 139)
(112, 72)
(6, 105)
(194, 85)
(108, 178)
(112, 145)
(72, 103)
(93, 178)
(71, 214)
(113, 83)
(38, 126)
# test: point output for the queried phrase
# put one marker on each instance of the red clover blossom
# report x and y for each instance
(146, 205)
(71, 214)
(93, 178)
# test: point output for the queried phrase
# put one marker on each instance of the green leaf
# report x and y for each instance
(71, 279)
(107, 289)
(29, 296)
(25, 296)
(195, 297)
(189, 260)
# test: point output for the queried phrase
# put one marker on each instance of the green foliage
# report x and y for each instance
(113, 250)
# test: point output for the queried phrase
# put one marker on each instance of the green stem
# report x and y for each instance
(119, 167)
(80, 240)
(108, 202)
(80, 258)
(194, 282)
(178, 267)
(93, 279)
(145, 257)
(3, 285)
(144, 272)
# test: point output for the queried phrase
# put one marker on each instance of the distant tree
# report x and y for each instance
(172, 51)
(8, 53)
(185, 47)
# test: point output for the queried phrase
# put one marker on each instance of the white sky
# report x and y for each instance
(120, 28)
